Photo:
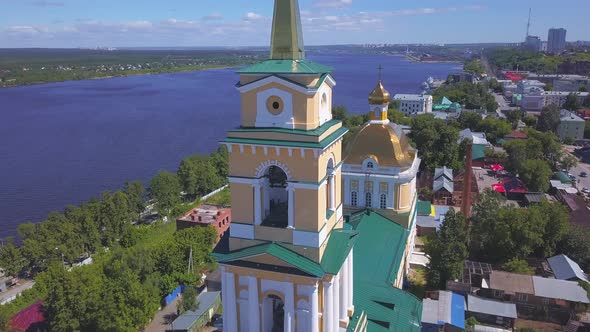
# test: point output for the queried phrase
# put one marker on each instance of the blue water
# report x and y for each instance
(64, 143)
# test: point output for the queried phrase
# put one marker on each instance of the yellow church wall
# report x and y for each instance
(405, 197)
(304, 107)
(307, 210)
(242, 201)
(267, 135)
(302, 169)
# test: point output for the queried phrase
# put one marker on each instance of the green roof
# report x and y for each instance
(424, 208)
(478, 152)
(310, 145)
(340, 243)
(288, 256)
(286, 67)
(319, 131)
(378, 254)
(561, 176)
(446, 101)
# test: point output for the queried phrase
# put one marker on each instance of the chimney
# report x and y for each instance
(466, 201)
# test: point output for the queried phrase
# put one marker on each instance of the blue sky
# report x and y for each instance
(116, 23)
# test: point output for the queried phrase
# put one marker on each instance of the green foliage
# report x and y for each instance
(587, 130)
(495, 129)
(576, 245)
(189, 300)
(165, 189)
(586, 102)
(223, 198)
(571, 102)
(530, 120)
(517, 265)
(495, 86)
(447, 251)
(536, 175)
(198, 175)
(549, 119)
(469, 120)
(568, 162)
(471, 322)
(4, 320)
(437, 142)
(474, 66)
(513, 59)
(11, 258)
(473, 96)
(136, 195)
(503, 233)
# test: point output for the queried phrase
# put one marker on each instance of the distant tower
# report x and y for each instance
(556, 40)
(528, 26)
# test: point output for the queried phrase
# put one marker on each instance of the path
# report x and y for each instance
(11, 294)
(163, 318)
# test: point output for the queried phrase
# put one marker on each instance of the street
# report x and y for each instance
(12, 293)
(582, 167)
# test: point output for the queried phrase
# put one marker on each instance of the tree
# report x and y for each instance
(447, 251)
(571, 102)
(555, 222)
(530, 120)
(136, 194)
(568, 162)
(495, 129)
(586, 102)
(549, 119)
(536, 175)
(515, 116)
(220, 160)
(165, 189)
(189, 300)
(576, 245)
(11, 258)
(437, 142)
(5, 320)
(517, 265)
(198, 176)
(469, 120)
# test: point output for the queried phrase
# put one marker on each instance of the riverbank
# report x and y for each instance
(122, 74)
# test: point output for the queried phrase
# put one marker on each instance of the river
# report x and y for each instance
(64, 143)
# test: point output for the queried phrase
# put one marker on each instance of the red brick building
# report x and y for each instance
(204, 216)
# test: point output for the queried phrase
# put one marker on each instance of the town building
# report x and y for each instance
(533, 101)
(412, 105)
(217, 217)
(295, 263)
(443, 311)
(443, 186)
(564, 268)
(515, 135)
(558, 98)
(533, 43)
(527, 86)
(193, 321)
(556, 40)
(571, 126)
(495, 313)
(536, 291)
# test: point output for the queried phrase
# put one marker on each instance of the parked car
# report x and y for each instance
(583, 174)
(585, 191)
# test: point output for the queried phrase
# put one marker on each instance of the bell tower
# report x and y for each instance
(290, 260)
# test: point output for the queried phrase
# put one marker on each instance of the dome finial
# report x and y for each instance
(287, 36)
(379, 96)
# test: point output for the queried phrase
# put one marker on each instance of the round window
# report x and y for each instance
(275, 105)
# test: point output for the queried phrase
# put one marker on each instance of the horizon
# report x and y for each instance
(210, 23)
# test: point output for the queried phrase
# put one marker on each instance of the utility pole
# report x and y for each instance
(528, 26)
(190, 261)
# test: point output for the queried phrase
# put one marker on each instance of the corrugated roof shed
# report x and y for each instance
(189, 318)
(511, 283)
(444, 171)
(448, 309)
(491, 307)
(441, 183)
(566, 269)
(560, 290)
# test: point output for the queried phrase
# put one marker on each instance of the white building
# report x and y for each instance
(529, 86)
(556, 40)
(414, 104)
(570, 126)
(558, 98)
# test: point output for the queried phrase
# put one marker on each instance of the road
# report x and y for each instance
(582, 167)
(13, 292)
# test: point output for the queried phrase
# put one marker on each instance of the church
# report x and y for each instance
(321, 235)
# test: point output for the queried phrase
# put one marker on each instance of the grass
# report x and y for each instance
(417, 277)
(223, 198)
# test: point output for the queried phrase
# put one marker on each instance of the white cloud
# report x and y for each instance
(332, 3)
(213, 17)
(252, 16)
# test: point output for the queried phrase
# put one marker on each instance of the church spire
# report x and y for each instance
(287, 37)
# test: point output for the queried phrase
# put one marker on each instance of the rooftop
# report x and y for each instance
(566, 269)
(515, 134)
(511, 283)
(205, 214)
(411, 97)
(387, 308)
(286, 67)
(491, 307)
(448, 309)
(570, 116)
(189, 318)
(559, 289)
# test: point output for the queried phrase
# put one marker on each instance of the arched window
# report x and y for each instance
(368, 199)
(383, 201)
(370, 165)
(353, 198)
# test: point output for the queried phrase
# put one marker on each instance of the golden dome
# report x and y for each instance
(384, 143)
(379, 96)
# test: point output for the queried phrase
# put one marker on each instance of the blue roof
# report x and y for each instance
(566, 269)
(458, 310)
(446, 101)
